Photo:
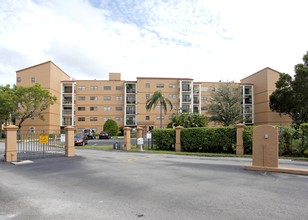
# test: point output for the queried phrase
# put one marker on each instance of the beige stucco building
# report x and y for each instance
(89, 103)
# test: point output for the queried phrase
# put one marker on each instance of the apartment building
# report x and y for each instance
(90, 103)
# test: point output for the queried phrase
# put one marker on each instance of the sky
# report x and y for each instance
(207, 40)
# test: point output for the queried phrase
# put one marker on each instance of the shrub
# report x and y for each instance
(212, 140)
(247, 139)
(163, 139)
(112, 127)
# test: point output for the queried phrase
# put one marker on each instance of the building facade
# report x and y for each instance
(88, 104)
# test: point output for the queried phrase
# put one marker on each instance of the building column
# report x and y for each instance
(69, 141)
(127, 144)
(178, 147)
(10, 143)
(239, 139)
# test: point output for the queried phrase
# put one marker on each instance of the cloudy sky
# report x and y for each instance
(207, 40)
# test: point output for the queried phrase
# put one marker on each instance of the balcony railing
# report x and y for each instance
(66, 112)
(67, 102)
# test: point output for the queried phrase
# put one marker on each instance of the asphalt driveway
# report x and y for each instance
(125, 185)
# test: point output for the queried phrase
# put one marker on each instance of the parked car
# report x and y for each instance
(81, 139)
(104, 135)
(89, 133)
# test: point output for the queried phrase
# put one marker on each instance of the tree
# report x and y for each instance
(291, 96)
(31, 102)
(7, 103)
(158, 98)
(111, 127)
(225, 104)
(188, 120)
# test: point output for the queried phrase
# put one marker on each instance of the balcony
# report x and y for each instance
(186, 100)
(131, 101)
(130, 91)
(67, 112)
(67, 102)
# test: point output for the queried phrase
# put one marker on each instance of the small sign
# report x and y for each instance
(149, 135)
(139, 141)
(62, 138)
(43, 138)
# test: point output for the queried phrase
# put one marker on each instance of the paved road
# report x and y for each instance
(125, 185)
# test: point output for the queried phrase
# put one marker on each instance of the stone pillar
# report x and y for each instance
(265, 146)
(239, 139)
(127, 131)
(10, 143)
(178, 147)
(69, 141)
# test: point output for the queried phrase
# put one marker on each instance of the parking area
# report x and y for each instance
(130, 185)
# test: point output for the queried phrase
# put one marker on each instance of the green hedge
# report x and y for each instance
(163, 139)
(247, 139)
(211, 140)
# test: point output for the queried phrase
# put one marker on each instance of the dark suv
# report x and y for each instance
(90, 133)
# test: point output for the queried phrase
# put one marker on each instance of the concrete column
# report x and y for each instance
(10, 143)
(239, 139)
(127, 144)
(69, 141)
(265, 146)
(178, 147)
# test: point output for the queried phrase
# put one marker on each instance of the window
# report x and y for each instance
(204, 88)
(147, 117)
(107, 98)
(158, 117)
(119, 88)
(18, 79)
(172, 96)
(107, 87)
(81, 98)
(119, 108)
(81, 88)
(172, 85)
(204, 108)
(106, 119)
(32, 130)
(93, 98)
(93, 108)
(203, 99)
(33, 79)
(81, 108)
(119, 98)
(119, 119)
(80, 130)
(81, 119)
(159, 85)
(147, 85)
(107, 109)
(93, 88)
(93, 118)
(147, 96)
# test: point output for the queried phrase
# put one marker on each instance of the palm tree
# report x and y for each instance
(158, 98)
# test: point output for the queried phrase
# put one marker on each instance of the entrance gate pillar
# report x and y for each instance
(11, 143)
(239, 139)
(127, 144)
(178, 147)
(69, 141)
(265, 146)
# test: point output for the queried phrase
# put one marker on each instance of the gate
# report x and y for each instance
(32, 146)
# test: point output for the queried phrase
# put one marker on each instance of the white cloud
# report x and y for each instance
(205, 40)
